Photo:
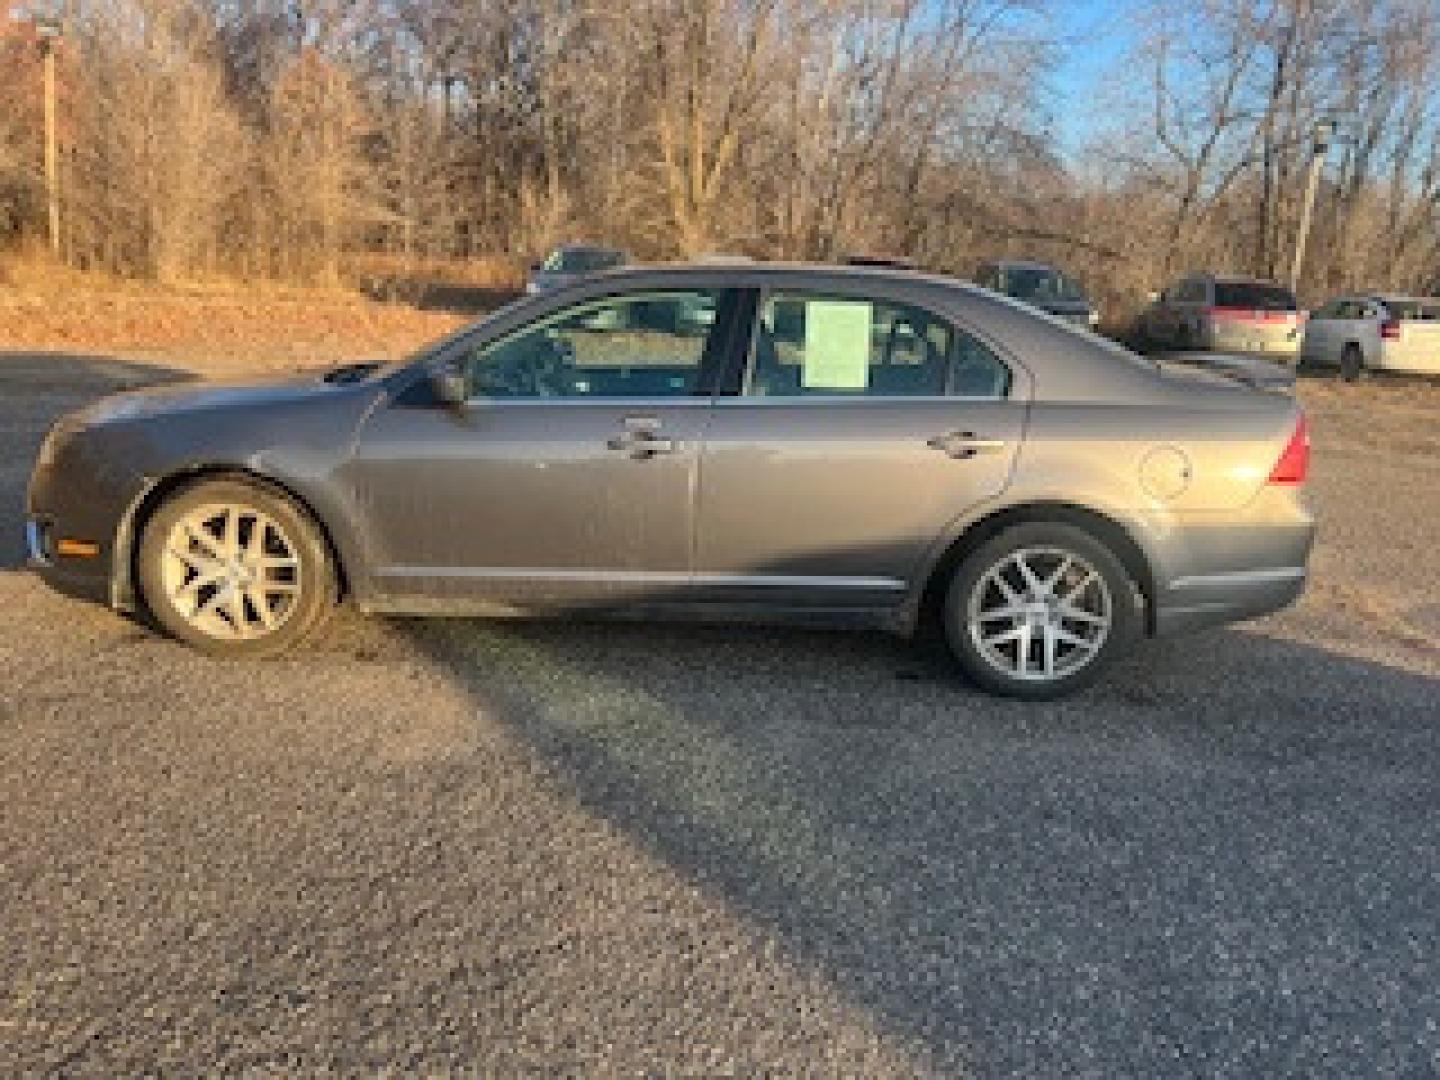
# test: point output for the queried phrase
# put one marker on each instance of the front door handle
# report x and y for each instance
(964, 444)
(642, 443)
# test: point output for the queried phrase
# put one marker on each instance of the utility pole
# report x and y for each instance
(1323, 135)
(48, 31)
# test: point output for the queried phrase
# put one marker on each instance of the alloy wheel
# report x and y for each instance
(231, 572)
(1040, 614)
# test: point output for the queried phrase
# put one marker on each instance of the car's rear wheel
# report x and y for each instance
(1037, 611)
(1352, 363)
(235, 569)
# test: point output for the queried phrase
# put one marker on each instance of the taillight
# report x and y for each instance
(1230, 314)
(1390, 330)
(1294, 463)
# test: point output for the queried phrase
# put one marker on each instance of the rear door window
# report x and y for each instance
(808, 345)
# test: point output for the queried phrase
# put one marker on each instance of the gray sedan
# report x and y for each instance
(708, 441)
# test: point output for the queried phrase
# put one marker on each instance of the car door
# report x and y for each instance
(570, 476)
(1318, 345)
(864, 426)
(1354, 326)
(1192, 316)
(1368, 333)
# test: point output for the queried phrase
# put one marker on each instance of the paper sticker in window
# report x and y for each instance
(837, 345)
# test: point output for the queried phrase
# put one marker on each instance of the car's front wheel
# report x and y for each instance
(235, 569)
(1038, 610)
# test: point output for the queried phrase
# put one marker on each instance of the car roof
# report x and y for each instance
(739, 274)
(1036, 263)
(1240, 279)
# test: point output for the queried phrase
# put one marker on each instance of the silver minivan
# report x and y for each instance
(1380, 333)
(1224, 314)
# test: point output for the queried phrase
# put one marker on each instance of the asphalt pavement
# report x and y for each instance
(616, 849)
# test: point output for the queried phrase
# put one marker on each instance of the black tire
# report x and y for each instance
(1352, 363)
(1057, 537)
(1144, 343)
(315, 580)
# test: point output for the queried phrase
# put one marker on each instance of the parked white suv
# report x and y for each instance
(1383, 333)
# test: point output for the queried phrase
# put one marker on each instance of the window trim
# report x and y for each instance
(745, 350)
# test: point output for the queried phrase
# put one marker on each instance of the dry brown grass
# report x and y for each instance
(1399, 415)
(211, 327)
(503, 273)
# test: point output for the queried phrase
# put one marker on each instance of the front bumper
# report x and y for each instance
(78, 497)
(82, 578)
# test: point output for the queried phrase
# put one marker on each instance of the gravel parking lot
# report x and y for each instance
(698, 850)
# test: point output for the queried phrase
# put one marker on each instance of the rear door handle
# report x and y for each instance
(642, 443)
(964, 444)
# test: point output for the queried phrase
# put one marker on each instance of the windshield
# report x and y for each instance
(1041, 283)
(581, 260)
(1255, 295)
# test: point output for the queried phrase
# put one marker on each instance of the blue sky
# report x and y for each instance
(1094, 36)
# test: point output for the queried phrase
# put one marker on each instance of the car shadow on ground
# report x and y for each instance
(1221, 858)
(37, 388)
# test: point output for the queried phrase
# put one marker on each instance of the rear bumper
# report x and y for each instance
(1215, 599)
(1225, 569)
(1408, 358)
(1279, 343)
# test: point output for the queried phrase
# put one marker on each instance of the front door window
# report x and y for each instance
(649, 345)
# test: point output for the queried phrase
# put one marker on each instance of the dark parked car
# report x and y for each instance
(762, 440)
(570, 263)
(1041, 286)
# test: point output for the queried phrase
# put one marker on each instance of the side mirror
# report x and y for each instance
(1152, 297)
(451, 387)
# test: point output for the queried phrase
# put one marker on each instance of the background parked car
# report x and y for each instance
(1385, 333)
(1040, 285)
(570, 263)
(1224, 314)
